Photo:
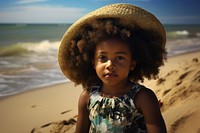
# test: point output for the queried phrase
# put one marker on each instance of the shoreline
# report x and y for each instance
(47, 108)
(36, 88)
(66, 81)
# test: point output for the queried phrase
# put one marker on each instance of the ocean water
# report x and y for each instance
(28, 53)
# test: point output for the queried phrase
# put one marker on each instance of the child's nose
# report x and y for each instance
(110, 65)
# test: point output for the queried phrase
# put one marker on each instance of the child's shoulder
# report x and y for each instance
(145, 98)
(136, 89)
(84, 97)
(143, 92)
(85, 94)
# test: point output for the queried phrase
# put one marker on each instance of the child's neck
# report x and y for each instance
(115, 90)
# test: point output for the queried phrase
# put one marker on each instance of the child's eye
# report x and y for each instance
(102, 58)
(120, 58)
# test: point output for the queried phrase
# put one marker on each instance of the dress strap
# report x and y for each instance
(135, 89)
(94, 88)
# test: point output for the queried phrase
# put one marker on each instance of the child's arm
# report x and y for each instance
(83, 122)
(147, 103)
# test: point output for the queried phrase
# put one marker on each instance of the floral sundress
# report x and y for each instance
(115, 115)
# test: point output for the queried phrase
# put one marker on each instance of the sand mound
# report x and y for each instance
(178, 90)
(179, 84)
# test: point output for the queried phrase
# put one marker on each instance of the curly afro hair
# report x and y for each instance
(146, 48)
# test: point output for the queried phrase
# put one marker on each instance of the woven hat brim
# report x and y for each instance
(127, 13)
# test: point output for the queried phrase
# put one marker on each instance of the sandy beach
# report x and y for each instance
(53, 109)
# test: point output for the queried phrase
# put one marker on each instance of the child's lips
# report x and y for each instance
(110, 75)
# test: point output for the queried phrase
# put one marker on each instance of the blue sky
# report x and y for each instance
(68, 11)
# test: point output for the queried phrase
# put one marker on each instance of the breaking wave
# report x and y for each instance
(29, 47)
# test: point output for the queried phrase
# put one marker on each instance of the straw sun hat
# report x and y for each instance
(127, 13)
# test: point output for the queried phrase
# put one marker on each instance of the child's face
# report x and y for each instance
(113, 61)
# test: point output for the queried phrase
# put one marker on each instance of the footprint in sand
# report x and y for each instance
(179, 122)
(196, 77)
(65, 112)
(160, 81)
(62, 126)
(56, 127)
(171, 72)
(166, 91)
(195, 60)
(35, 106)
(184, 75)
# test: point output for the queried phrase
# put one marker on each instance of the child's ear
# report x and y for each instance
(133, 64)
(132, 67)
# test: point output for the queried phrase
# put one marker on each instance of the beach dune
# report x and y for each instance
(53, 109)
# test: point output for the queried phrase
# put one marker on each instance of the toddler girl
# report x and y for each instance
(109, 51)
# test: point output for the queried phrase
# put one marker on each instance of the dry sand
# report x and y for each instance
(54, 108)
(178, 89)
(31, 110)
